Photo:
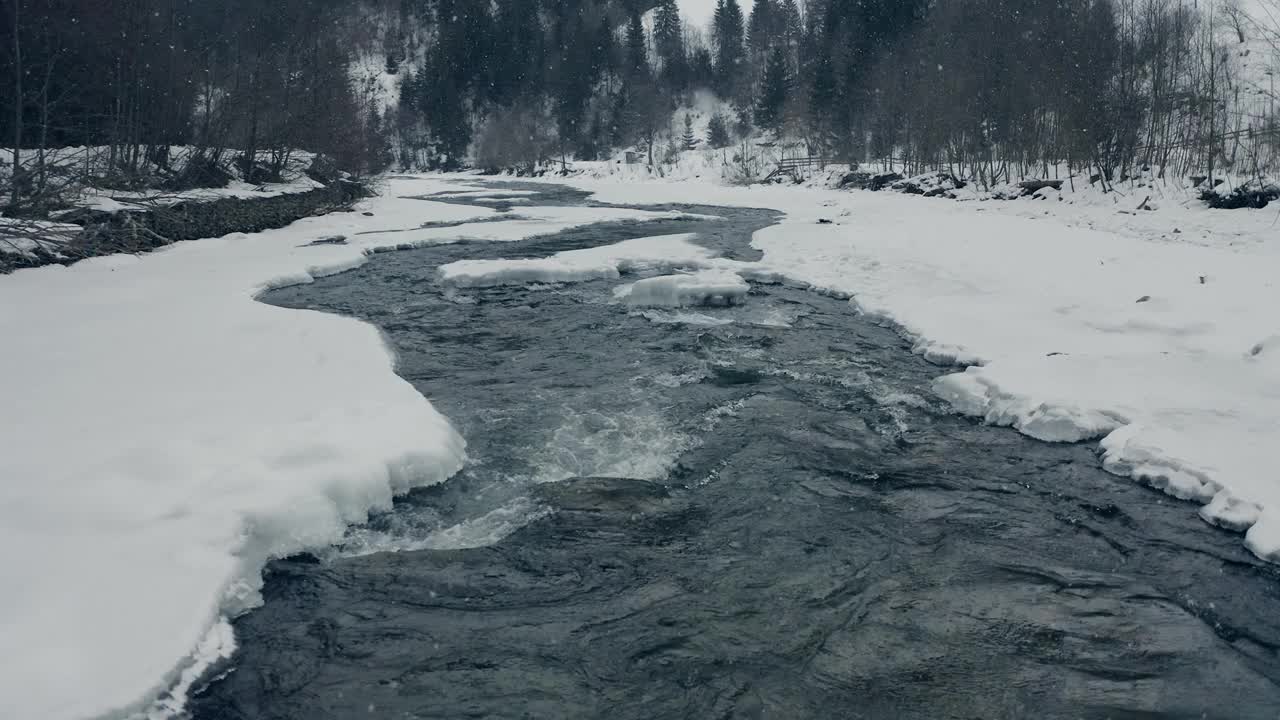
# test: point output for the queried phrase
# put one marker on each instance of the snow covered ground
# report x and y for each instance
(1155, 333)
(171, 434)
(165, 435)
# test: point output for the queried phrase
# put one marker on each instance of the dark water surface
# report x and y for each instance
(770, 517)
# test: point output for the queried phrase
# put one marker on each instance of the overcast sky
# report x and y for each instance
(697, 12)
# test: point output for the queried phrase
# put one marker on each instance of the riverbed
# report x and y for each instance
(750, 511)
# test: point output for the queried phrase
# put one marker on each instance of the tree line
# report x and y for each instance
(984, 89)
(243, 82)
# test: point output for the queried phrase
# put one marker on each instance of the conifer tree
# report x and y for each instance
(668, 40)
(792, 28)
(773, 92)
(718, 132)
(637, 49)
(762, 28)
(690, 141)
(727, 27)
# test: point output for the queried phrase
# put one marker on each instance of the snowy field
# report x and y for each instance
(166, 435)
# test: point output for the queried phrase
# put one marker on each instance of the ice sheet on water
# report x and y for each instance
(492, 273)
(597, 263)
(707, 287)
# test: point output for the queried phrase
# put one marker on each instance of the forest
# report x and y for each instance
(985, 89)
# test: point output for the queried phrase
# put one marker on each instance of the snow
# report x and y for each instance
(1153, 334)
(705, 287)
(484, 194)
(25, 237)
(606, 262)
(95, 160)
(167, 449)
(116, 200)
(166, 435)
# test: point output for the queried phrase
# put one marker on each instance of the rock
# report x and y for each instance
(324, 170)
(1251, 195)
(883, 180)
(333, 240)
(856, 179)
(1030, 186)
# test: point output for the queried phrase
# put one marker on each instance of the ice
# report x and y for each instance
(1230, 512)
(1188, 425)
(165, 435)
(483, 194)
(599, 263)
(663, 317)
(489, 273)
(705, 287)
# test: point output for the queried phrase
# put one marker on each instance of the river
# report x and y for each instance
(757, 511)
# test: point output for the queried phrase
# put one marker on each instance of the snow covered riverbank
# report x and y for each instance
(165, 435)
(1155, 333)
(169, 434)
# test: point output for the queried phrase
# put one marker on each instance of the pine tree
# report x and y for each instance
(762, 29)
(604, 50)
(792, 28)
(823, 95)
(637, 49)
(728, 30)
(773, 92)
(668, 39)
(377, 144)
(718, 132)
(689, 140)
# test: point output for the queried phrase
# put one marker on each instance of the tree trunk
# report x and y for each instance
(17, 107)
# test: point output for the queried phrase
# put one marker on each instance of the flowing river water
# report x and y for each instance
(749, 512)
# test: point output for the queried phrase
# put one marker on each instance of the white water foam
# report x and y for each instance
(480, 531)
(637, 444)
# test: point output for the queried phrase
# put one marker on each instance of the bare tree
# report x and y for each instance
(16, 177)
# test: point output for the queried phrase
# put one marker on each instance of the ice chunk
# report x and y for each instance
(490, 273)
(598, 263)
(1263, 538)
(707, 287)
(1230, 512)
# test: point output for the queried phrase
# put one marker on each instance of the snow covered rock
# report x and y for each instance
(707, 287)
(491, 273)
(599, 263)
